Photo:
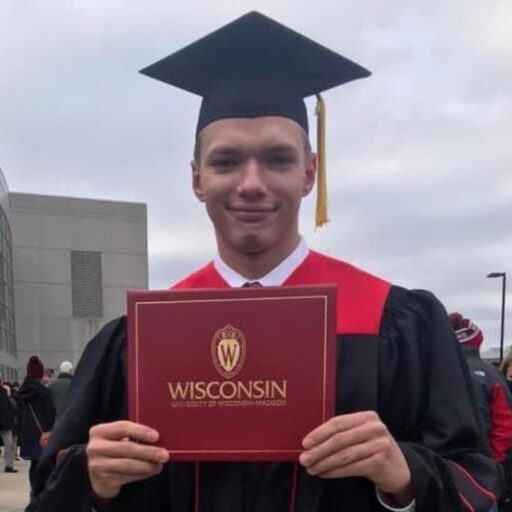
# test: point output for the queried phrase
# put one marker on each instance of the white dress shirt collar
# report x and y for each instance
(276, 277)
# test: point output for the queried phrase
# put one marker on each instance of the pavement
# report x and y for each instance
(14, 487)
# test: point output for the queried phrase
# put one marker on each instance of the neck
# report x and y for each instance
(257, 265)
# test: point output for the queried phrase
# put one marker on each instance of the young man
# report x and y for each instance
(405, 435)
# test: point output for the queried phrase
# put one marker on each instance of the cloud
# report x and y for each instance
(419, 154)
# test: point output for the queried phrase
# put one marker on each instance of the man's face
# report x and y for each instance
(252, 174)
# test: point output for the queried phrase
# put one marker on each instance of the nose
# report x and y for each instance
(252, 181)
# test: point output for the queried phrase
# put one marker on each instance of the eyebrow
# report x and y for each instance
(224, 150)
(233, 150)
(282, 148)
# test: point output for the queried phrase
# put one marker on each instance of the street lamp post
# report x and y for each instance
(503, 275)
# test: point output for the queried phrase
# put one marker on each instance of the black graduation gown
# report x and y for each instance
(404, 363)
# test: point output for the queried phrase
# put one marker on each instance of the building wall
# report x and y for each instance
(8, 355)
(107, 243)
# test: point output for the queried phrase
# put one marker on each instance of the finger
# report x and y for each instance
(363, 433)
(390, 480)
(118, 430)
(337, 424)
(104, 448)
(124, 468)
(360, 468)
(347, 457)
(114, 482)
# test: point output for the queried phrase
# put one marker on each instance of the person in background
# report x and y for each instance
(506, 502)
(37, 414)
(58, 387)
(15, 387)
(16, 427)
(493, 397)
(47, 377)
(6, 427)
(506, 369)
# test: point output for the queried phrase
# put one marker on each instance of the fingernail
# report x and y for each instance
(304, 459)
(163, 456)
(152, 436)
(307, 442)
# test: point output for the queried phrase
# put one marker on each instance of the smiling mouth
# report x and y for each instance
(250, 213)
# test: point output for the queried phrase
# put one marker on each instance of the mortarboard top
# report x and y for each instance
(255, 67)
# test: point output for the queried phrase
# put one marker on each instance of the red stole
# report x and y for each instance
(361, 296)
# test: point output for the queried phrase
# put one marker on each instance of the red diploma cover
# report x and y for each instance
(236, 374)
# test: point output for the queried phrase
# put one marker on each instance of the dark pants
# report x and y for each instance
(32, 473)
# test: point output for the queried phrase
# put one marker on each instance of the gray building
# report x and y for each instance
(8, 352)
(72, 262)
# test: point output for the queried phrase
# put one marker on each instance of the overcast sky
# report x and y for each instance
(419, 154)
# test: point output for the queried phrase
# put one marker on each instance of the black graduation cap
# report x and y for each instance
(254, 67)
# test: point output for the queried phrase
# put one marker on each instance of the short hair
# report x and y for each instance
(197, 145)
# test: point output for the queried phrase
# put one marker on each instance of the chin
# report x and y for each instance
(252, 248)
(253, 244)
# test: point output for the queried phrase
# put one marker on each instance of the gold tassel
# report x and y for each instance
(321, 217)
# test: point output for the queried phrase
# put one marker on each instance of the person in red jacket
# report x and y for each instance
(493, 396)
(492, 393)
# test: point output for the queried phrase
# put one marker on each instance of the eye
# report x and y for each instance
(279, 160)
(224, 163)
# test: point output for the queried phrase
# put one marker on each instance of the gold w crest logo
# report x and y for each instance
(228, 351)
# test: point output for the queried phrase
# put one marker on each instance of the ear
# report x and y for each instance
(310, 176)
(196, 181)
